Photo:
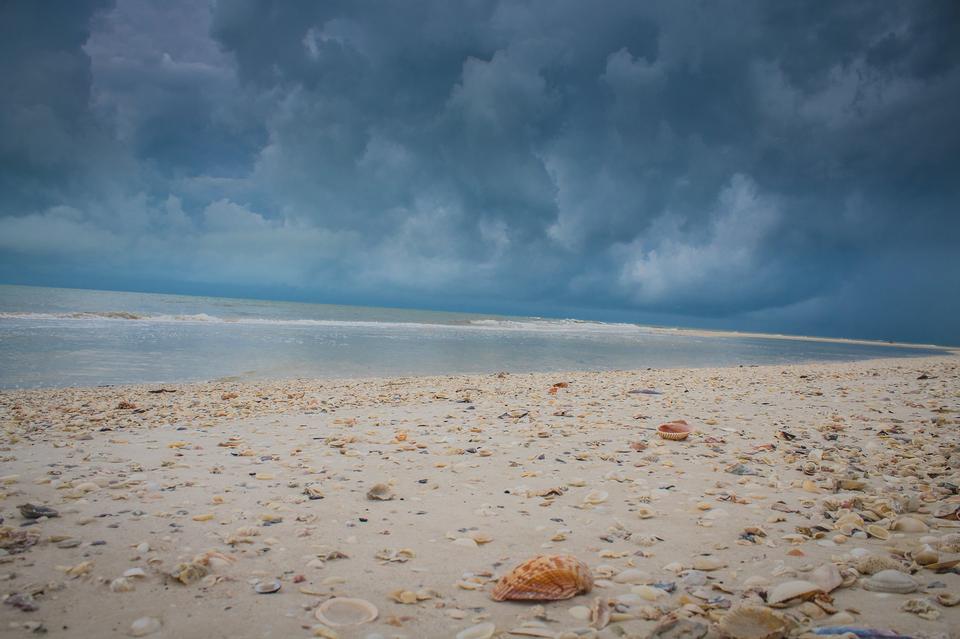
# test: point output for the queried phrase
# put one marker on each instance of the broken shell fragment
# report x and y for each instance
(345, 611)
(827, 577)
(890, 581)
(791, 590)
(872, 564)
(545, 578)
(748, 621)
(380, 492)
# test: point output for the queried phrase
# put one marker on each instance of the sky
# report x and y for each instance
(774, 166)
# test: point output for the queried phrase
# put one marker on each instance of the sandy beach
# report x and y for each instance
(172, 506)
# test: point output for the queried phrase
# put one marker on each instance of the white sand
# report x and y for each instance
(162, 463)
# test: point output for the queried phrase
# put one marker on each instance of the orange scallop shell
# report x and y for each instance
(675, 430)
(545, 578)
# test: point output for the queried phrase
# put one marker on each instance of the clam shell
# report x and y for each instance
(675, 430)
(910, 524)
(786, 591)
(267, 587)
(753, 622)
(878, 532)
(926, 555)
(344, 611)
(479, 631)
(545, 578)
(890, 581)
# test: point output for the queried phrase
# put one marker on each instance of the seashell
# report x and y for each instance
(809, 468)
(747, 621)
(922, 608)
(32, 511)
(926, 555)
(910, 524)
(827, 577)
(708, 563)
(190, 573)
(675, 431)
(595, 497)
(890, 581)
(581, 613)
(872, 564)
(313, 491)
(950, 543)
(790, 590)
(878, 532)
(649, 593)
(479, 631)
(144, 626)
(948, 599)
(380, 492)
(134, 572)
(645, 513)
(121, 584)
(344, 611)
(545, 578)
(267, 587)
(632, 576)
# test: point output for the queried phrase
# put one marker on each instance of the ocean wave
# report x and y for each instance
(535, 325)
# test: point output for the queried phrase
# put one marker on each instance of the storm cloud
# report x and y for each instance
(787, 166)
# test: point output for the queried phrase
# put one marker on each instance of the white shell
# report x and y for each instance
(827, 577)
(479, 631)
(632, 576)
(791, 590)
(144, 626)
(344, 611)
(890, 581)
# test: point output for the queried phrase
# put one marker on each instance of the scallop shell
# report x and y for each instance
(789, 590)
(545, 578)
(344, 611)
(890, 581)
(753, 622)
(872, 564)
(144, 626)
(675, 430)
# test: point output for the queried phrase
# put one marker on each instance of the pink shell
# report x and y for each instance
(675, 430)
(545, 578)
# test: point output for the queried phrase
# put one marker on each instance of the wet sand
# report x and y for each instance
(203, 491)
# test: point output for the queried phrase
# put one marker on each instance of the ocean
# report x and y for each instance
(70, 337)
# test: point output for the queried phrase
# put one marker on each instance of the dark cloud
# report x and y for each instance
(773, 166)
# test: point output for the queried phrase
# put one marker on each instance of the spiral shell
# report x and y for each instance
(545, 578)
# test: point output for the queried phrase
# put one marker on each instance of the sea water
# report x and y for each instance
(72, 337)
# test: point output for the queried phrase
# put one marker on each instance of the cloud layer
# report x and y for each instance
(769, 166)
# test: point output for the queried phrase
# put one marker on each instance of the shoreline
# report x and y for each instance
(246, 482)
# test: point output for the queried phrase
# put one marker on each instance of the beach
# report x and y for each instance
(238, 508)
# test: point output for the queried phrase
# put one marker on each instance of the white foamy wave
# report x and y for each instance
(532, 325)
